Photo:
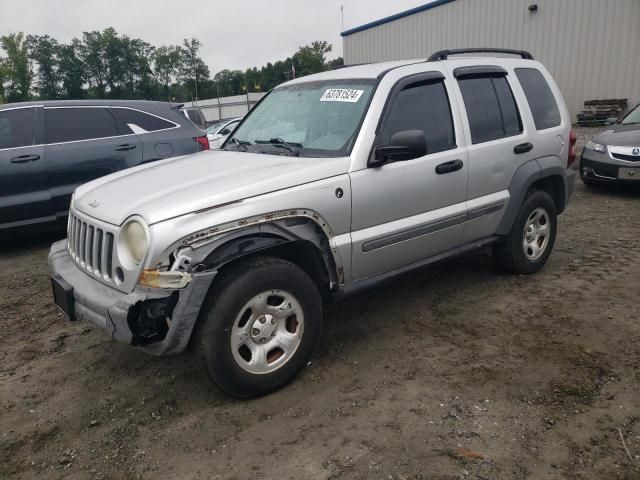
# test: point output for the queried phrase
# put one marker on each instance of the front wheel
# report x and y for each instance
(259, 326)
(528, 246)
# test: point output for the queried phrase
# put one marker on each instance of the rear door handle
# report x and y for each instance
(125, 148)
(523, 148)
(449, 167)
(25, 158)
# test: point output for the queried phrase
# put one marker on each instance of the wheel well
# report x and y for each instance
(554, 186)
(302, 253)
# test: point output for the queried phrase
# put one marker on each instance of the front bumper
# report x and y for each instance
(596, 167)
(159, 322)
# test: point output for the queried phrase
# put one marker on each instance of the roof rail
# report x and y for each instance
(444, 54)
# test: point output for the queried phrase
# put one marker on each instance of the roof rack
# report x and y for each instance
(444, 54)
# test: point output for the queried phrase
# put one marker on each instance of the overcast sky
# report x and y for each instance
(235, 34)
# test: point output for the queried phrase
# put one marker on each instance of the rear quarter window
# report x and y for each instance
(542, 103)
(148, 122)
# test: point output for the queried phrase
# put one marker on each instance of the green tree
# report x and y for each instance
(3, 76)
(93, 57)
(311, 58)
(44, 50)
(71, 70)
(113, 54)
(335, 63)
(17, 67)
(166, 66)
(193, 70)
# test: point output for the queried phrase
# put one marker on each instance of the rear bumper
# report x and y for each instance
(159, 322)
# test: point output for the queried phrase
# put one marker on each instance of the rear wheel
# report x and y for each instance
(259, 326)
(528, 246)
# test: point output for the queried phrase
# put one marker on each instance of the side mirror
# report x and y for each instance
(404, 145)
(226, 131)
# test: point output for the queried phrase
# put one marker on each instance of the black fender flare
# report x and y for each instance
(528, 174)
(253, 239)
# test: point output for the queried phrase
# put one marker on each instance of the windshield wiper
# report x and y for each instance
(280, 143)
(239, 143)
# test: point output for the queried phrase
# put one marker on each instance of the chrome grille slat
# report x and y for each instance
(97, 251)
(109, 262)
(70, 233)
(83, 243)
(76, 241)
(91, 247)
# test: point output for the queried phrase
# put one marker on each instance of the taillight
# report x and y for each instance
(203, 141)
(573, 138)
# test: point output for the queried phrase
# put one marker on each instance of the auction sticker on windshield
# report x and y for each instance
(341, 95)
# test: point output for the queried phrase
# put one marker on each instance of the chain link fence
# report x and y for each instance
(215, 109)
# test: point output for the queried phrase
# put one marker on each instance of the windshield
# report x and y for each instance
(318, 118)
(632, 118)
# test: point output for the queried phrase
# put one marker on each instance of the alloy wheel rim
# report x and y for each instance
(267, 332)
(537, 231)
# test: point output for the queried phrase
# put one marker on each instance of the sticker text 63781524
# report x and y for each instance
(341, 95)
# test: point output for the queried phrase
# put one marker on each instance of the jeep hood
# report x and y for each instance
(620, 134)
(169, 188)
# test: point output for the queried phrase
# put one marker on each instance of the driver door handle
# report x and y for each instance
(25, 158)
(449, 167)
(523, 148)
(125, 147)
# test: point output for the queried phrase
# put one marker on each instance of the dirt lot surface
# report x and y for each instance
(453, 372)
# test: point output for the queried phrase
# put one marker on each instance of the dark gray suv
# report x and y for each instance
(49, 148)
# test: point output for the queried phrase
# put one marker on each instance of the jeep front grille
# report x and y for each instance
(91, 247)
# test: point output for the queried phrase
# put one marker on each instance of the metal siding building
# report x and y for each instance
(591, 47)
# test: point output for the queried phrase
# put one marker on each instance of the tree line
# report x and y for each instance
(105, 64)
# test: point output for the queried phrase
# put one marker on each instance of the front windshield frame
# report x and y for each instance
(305, 151)
(635, 112)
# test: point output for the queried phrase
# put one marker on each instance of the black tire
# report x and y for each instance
(509, 254)
(236, 286)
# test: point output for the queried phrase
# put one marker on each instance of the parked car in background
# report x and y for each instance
(219, 131)
(332, 184)
(49, 148)
(613, 155)
(195, 115)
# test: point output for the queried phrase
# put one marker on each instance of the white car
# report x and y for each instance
(219, 131)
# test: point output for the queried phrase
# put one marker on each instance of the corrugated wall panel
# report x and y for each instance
(592, 47)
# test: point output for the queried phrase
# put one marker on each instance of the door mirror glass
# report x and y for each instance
(404, 145)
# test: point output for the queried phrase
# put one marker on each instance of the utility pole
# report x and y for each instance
(341, 18)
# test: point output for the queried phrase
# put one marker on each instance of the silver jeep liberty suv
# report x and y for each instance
(333, 183)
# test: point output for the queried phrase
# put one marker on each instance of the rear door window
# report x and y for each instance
(422, 106)
(17, 128)
(491, 108)
(73, 124)
(147, 122)
(540, 98)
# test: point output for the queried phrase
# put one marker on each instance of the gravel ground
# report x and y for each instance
(452, 372)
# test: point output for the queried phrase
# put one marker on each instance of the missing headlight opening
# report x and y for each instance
(150, 320)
